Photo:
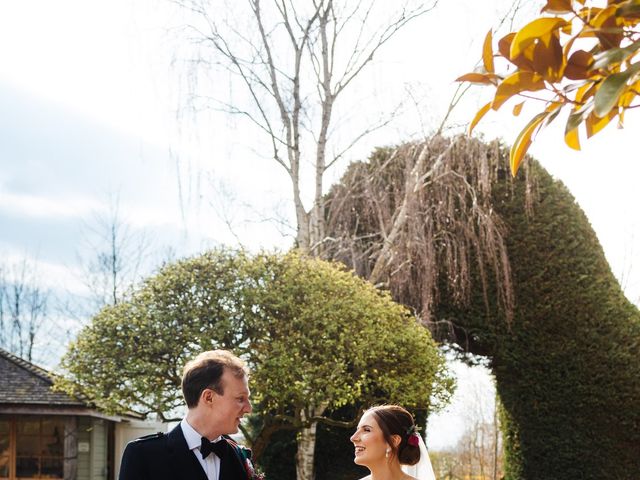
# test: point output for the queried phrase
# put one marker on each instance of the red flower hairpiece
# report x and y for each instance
(413, 438)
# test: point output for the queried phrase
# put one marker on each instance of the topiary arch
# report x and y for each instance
(562, 339)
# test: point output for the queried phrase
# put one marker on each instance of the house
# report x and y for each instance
(48, 434)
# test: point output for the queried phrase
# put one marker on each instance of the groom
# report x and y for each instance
(216, 391)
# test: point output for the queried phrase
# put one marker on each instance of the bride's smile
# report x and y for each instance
(387, 442)
(368, 440)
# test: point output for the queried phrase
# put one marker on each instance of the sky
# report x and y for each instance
(93, 95)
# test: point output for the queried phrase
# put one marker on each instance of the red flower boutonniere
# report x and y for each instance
(252, 474)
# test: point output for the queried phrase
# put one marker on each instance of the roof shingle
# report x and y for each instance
(22, 382)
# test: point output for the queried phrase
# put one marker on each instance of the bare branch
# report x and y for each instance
(361, 135)
(377, 41)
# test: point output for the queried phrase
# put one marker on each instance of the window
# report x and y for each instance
(5, 453)
(37, 446)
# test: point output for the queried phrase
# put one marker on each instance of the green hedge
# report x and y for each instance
(567, 363)
(568, 369)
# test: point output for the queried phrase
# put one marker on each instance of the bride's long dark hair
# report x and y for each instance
(395, 420)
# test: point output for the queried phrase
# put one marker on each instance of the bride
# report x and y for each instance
(388, 444)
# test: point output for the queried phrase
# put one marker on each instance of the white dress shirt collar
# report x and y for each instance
(193, 437)
(211, 464)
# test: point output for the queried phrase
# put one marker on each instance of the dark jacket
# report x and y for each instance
(167, 457)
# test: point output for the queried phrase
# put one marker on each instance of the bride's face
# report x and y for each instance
(368, 440)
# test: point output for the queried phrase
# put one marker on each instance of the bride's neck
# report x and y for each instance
(386, 471)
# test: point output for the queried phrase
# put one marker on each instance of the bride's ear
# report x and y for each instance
(396, 439)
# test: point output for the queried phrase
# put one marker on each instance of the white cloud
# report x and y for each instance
(56, 276)
(40, 206)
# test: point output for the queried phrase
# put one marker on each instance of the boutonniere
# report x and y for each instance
(252, 473)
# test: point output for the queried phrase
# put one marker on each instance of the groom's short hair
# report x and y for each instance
(206, 370)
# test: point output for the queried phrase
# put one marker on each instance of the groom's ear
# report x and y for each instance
(207, 396)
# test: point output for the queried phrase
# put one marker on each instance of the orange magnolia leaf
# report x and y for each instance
(482, 78)
(585, 91)
(504, 46)
(487, 53)
(571, 137)
(608, 27)
(629, 95)
(629, 13)
(558, 6)
(535, 30)
(566, 49)
(523, 142)
(629, 8)
(517, 109)
(594, 124)
(548, 59)
(587, 14)
(579, 65)
(525, 61)
(516, 83)
(625, 101)
(481, 113)
(553, 108)
(604, 16)
(567, 29)
(569, 44)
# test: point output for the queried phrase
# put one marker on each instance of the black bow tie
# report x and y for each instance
(219, 448)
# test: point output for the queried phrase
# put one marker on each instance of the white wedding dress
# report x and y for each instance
(423, 469)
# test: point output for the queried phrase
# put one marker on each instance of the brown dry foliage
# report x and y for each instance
(450, 221)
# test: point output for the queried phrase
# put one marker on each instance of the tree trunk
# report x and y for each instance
(303, 235)
(307, 443)
(70, 465)
(260, 443)
(305, 454)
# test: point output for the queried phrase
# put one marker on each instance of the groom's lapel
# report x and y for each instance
(232, 468)
(183, 460)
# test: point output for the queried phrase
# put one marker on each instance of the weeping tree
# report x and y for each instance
(533, 293)
(417, 218)
(316, 338)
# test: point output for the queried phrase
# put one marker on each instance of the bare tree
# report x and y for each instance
(3, 307)
(113, 256)
(478, 452)
(23, 307)
(295, 60)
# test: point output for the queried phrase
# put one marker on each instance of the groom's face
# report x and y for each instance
(227, 409)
